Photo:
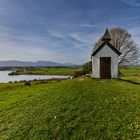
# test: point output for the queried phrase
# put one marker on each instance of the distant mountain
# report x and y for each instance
(14, 63)
(69, 64)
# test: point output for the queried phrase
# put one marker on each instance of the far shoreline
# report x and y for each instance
(65, 71)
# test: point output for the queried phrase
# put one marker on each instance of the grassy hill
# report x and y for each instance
(73, 109)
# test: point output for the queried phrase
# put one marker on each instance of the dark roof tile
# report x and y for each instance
(106, 36)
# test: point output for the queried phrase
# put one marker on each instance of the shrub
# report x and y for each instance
(87, 68)
(27, 83)
(120, 74)
(78, 73)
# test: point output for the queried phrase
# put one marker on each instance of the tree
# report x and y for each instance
(122, 40)
(87, 68)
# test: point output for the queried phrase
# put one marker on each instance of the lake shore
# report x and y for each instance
(45, 71)
(5, 78)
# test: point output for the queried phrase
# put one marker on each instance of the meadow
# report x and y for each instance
(81, 108)
(48, 70)
(131, 74)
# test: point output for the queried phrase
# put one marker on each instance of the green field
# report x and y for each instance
(131, 73)
(47, 71)
(72, 109)
(128, 73)
(77, 109)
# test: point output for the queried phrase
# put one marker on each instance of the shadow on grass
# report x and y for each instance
(129, 81)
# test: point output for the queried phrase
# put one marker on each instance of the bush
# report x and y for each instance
(78, 73)
(120, 74)
(27, 83)
(87, 68)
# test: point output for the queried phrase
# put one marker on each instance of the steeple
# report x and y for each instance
(106, 36)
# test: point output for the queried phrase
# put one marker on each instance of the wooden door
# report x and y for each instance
(105, 67)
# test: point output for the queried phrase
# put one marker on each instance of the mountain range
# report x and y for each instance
(14, 63)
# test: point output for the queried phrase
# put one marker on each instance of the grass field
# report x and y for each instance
(128, 73)
(48, 71)
(131, 74)
(72, 109)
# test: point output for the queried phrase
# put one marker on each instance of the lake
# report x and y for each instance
(5, 78)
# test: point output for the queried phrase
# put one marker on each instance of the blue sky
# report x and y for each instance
(61, 30)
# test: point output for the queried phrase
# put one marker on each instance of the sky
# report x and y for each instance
(61, 30)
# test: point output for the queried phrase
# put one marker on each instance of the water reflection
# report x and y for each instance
(5, 78)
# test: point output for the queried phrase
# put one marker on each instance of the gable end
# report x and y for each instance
(109, 45)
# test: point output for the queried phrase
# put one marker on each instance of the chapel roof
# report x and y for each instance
(106, 36)
(105, 41)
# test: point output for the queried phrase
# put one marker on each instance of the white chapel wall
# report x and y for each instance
(105, 52)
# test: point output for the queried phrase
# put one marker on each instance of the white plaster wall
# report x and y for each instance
(95, 67)
(105, 52)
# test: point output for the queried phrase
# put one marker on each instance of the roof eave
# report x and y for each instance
(109, 45)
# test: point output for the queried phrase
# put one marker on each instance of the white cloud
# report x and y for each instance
(135, 3)
(56, 34)
(77, 37)
(87, 25)
(84, 38)
(33, 47)
(135, 32)
(12, 52)
(84, 42)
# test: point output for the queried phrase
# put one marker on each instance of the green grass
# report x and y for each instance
(49, 71)
(73, 109)
(127, 71)
(131, 74)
